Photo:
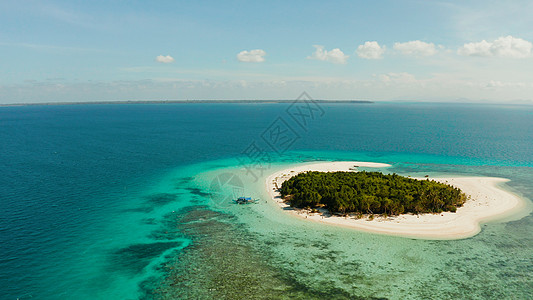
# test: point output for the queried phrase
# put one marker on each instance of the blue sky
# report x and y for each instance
(468, 51)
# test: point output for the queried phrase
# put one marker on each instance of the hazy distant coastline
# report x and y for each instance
(189, 102)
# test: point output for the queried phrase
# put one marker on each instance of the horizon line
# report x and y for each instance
(258, 101)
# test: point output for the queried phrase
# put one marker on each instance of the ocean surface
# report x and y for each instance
(133, 201)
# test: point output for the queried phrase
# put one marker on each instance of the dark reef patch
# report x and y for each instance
(135, 258)
(149, 221)
(154, 200)
(160, 199)
(180, 182)
(198, 192)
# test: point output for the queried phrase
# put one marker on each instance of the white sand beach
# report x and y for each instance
(487, 202)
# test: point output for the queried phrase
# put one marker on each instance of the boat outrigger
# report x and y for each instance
(246, 200)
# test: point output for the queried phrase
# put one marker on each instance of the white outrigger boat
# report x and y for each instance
(245, 200)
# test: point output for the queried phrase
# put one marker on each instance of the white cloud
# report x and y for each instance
(370, 50)
(417, 48)
(164, 59)
(502, 47)
(256, 55)
(335, 56)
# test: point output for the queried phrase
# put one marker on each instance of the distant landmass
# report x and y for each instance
(190, 101)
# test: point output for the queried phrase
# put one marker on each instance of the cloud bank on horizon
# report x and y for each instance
(474, 51)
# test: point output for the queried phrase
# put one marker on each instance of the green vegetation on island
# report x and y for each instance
(370, 193)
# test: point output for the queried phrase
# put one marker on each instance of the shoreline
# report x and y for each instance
(487, 202)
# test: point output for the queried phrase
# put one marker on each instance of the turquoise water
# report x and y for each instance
(118, 202)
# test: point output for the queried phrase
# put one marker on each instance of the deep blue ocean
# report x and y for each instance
(83, 188)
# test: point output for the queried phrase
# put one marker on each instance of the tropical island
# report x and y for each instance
(370, 193)
(341, 193)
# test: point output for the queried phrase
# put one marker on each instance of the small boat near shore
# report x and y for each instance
(245, 200)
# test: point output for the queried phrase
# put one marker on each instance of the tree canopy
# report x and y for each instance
(370, 193)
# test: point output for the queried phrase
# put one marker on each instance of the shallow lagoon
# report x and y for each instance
(345, 263)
